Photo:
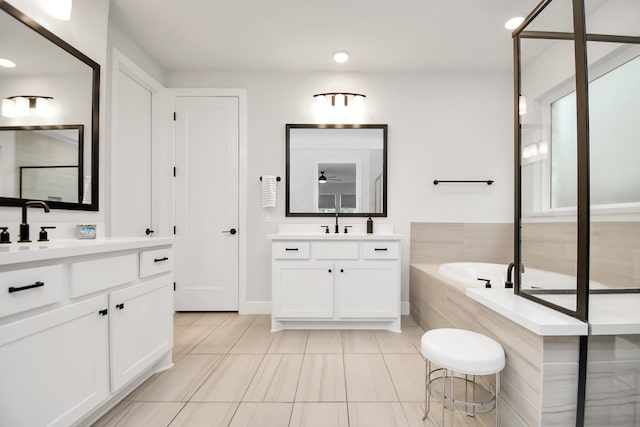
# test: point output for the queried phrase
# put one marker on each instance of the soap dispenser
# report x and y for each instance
(369, 226)
(4, 235)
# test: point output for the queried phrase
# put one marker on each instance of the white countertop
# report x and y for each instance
(535, 317)
(614, 314)
(333, 236)
(13, 253)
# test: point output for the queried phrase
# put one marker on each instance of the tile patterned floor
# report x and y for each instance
(231, 371)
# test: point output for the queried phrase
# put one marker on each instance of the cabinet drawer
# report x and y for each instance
(335, 250)
(22, 290)
(381, 250)
(290, 250)
(156, 262)
(104, 273)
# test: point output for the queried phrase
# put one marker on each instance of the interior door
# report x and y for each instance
(131, 158)
(206, 241)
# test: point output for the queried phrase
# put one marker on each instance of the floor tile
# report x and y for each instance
(407, 374)
(186, 318)
(321, 379)
(378, 414)
(414, 412)
(323, 341)
(319, 415)
(251, 414)
(367, 379)
(178, 383)
(360, 342)
(239, 320)
(185, 339)
(213, 318)
(230, 380)
(276, 379)
(407, 320)
(114, 414)
(220, 340)
(262, 319)
(255, 340)
(289, 342)
(393, 342)
(146, 414)
(205, 415)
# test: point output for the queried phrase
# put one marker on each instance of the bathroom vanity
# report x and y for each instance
(81, 324)
(335, 281)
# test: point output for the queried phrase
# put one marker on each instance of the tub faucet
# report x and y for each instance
(24, 226)
(337, 229)
(509, 282)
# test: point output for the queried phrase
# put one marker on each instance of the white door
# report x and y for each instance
(206, 245)
(367, 290)
(303, 290)
(131, 158)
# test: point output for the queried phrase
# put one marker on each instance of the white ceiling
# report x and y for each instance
(302, 35)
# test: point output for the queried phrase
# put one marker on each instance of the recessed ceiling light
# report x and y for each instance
(341, 56)
(513, 23)
(7, 63)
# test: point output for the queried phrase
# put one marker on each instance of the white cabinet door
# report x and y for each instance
(53, 366)
(141, 325)
(367, 290)
(303, 290)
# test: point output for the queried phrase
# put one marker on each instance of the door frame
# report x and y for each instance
(120, 63)
(241, 95)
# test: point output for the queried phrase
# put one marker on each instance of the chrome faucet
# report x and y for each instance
(337, 229)
(24, 227)
(509, 283)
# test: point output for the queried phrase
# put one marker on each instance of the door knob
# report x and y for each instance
(148, 231)
(232, 231)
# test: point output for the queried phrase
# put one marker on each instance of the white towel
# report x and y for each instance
(268, 191)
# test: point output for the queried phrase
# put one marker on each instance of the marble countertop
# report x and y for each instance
(13, 253)
(535, 317)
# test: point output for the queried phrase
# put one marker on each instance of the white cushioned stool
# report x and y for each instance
(465, 353)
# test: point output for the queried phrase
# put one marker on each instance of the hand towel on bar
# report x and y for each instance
(268, 191)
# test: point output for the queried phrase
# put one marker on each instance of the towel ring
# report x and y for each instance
(277, 179)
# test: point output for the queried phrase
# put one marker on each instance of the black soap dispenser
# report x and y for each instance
(369, 226)
(4, 235)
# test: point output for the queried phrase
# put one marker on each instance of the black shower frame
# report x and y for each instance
(580, 38)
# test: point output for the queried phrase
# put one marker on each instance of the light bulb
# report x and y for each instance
(60, 9)
(357, 104)
(340, 98)
(22, 106)
(8, 107)
(43, 107)
(522, 105)
(7, 63)
(513, 23)
(341, 56)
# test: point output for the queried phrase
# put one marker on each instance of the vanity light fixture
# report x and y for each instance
(7, 63)
(21, 106)
(322, 179)
(339, 99)
(513, 23)
(60, 9)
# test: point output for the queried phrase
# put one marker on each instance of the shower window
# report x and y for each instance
(614, 108)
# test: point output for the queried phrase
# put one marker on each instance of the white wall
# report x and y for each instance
(87, 32)
(453, 125)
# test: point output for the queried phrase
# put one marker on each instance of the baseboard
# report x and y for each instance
(405, 308)
(255, 307)
(264, 307)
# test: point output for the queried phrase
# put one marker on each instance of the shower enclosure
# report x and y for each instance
(577, 188)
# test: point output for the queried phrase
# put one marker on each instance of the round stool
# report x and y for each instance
(465, 353)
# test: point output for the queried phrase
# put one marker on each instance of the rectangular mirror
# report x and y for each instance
(336, 169)
(42, 163)
(47, 69)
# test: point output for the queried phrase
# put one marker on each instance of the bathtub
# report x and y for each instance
(468, 274)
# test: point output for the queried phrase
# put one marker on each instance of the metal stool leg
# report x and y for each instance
(427, 390)
(444, 397)
(453, 395)
(497, 394)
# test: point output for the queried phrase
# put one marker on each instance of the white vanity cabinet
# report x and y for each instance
(79, 328)
(350, 282)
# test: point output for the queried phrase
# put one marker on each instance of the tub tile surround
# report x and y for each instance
(539, 381)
